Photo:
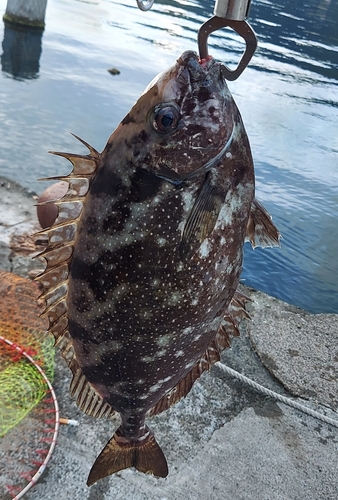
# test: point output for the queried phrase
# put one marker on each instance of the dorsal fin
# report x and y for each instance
(260, 230)
(54, 280)
(229, 328)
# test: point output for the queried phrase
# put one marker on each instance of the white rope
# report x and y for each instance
(275, 395)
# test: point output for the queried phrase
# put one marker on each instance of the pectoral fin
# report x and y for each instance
(202, 218)
(260, 229)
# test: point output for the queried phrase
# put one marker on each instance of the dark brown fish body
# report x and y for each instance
(157, 255)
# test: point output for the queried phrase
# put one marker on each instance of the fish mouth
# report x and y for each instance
(199, 69)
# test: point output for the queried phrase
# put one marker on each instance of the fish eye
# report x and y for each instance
(165, 118)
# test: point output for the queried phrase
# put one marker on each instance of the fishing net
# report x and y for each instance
(29, 416)
(26, 448)
(21, 384)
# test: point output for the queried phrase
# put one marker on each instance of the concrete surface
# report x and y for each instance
(224, 441)
(18, 221)
(298, 348)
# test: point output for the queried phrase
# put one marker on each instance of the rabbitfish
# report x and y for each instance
(145, 255)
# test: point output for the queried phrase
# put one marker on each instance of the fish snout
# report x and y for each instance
(205, 73)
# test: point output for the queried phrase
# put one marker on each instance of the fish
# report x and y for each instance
(145, 256)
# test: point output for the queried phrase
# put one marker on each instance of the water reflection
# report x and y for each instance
(303, 32)
(21, 51)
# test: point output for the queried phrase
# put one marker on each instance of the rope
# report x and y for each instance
(275, 395)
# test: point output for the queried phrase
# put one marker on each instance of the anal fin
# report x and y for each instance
(87, 399)
(121, 453)
(229, 328)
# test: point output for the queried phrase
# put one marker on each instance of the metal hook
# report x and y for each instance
(242, 28)
(145, 5)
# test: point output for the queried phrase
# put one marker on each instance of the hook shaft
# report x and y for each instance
(240, 27)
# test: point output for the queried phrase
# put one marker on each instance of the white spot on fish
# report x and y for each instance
(161, 353)
(188, 199)
(161, 241)
(175, 298)
(164, 340)
(156, 387)
(143, 396)
(179, 354)
(187, 330)
(205, 249)
(148, 359)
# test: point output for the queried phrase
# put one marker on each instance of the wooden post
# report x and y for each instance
(26, 13)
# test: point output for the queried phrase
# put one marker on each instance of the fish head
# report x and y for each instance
(185, 120)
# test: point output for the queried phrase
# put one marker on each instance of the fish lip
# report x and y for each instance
(198, 69)
(208, 63)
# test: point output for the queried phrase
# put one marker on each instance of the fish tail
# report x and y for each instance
(121, 453)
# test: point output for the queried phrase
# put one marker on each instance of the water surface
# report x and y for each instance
(288, 99)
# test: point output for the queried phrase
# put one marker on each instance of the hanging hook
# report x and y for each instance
(242, 28)
(145, 5)
(230, 13)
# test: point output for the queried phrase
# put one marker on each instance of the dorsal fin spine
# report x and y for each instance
(54, 279)
(49, 256)
(61, 224)
(55, 305)
(92, 151)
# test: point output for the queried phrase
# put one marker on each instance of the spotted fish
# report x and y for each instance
(144, 258)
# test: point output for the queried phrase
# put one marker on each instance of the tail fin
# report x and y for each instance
(120, 453)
